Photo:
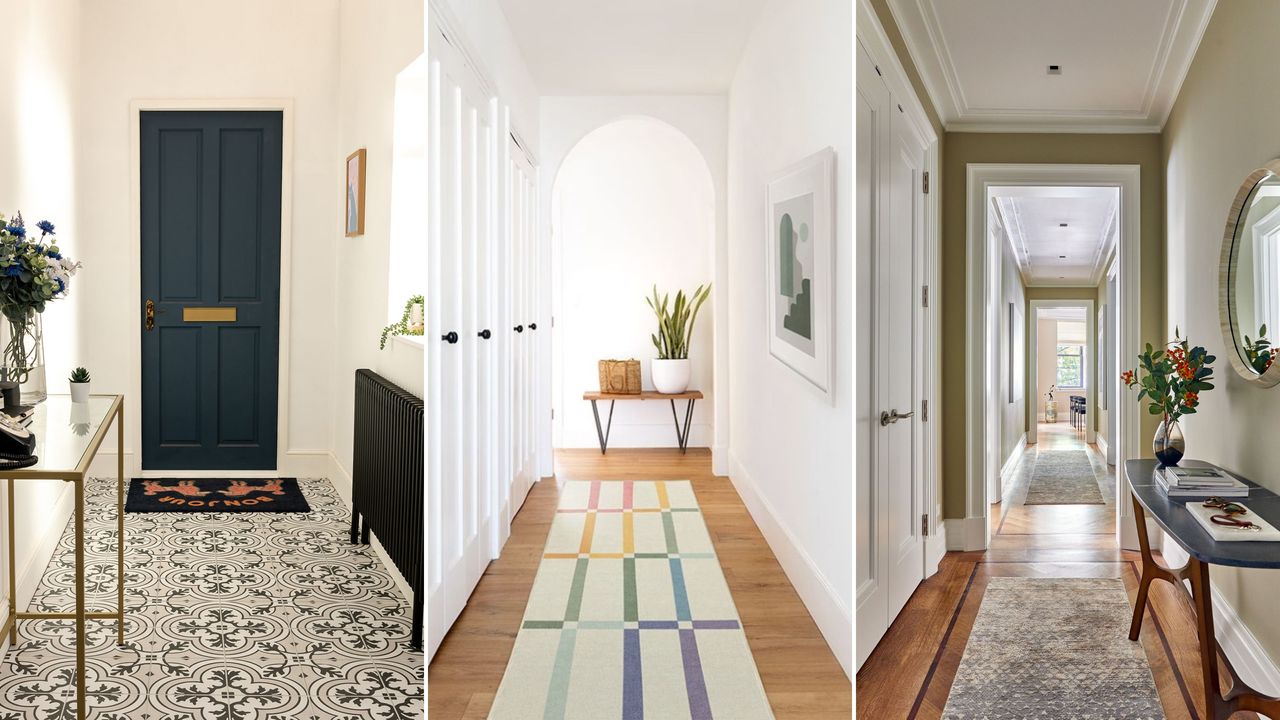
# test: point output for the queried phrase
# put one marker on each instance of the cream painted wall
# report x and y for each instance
(373, 48)
(790, 448)
(38, 166)
(633, 206)
(289, 50)
(1221, 128)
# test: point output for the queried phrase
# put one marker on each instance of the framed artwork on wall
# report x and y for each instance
(355, 193)
(800, 262)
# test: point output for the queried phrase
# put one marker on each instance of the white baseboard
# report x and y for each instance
(966, 534)
(1101, 441)
(833, 617)
(1246, 653)
(935, 547)
(1014, 456)
(720, 460)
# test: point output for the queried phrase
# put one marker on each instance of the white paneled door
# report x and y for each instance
(482, 195)
(890, 476)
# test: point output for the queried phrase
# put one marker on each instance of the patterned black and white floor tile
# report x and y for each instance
(251, 616)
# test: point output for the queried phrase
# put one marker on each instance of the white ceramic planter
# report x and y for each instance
(79, 392)
(670, 376)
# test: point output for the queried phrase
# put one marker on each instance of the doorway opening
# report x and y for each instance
(1053, 302)
(633, 209)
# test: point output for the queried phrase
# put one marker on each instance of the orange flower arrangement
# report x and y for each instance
(1173, 378)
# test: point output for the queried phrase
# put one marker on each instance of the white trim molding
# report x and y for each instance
(966, 534)
(979, 346)
(833, 617)
(1012, 461)
(926, 40)
(1089, 361)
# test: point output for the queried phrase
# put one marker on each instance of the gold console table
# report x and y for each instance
(68, 436)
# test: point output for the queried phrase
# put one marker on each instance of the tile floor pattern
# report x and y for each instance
(244, 616)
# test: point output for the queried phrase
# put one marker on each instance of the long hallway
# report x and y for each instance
(912, 671)
(1053, 509)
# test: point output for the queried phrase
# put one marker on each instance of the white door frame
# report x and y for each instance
(1089, 359)
(133, 336)
(978, 341)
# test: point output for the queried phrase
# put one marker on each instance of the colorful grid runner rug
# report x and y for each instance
(630, 616)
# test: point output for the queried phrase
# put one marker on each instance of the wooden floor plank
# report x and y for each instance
(909, 674)
(801, 676)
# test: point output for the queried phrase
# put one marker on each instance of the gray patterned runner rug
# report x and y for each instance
(1053, 648)
(1063, 477)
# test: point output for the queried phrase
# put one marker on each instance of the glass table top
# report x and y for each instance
(65, 431)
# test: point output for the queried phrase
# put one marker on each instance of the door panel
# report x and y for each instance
(210, 238)
(889, 545)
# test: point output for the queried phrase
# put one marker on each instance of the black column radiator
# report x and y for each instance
(388, 479)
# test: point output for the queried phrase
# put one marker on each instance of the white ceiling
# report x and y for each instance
(624, 47)
(985, 62)
(1049, 254)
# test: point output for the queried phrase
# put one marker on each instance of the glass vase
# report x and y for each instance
(1169, 445)
(22, 338)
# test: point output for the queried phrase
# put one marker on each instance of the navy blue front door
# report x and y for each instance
(210, 302)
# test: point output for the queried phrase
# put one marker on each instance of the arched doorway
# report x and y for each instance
(633, 206)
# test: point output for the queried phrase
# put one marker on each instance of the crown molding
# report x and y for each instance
(1183, 28)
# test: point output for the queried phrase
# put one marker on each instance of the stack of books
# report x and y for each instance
(1199, 482)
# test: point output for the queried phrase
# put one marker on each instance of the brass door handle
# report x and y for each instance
(151, 315)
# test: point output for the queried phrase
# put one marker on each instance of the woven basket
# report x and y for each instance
(620, 377)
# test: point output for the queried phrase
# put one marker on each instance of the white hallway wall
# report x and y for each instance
(288, 50)
(702, 119)
(38, 167)
(791, 450)
(374, 48)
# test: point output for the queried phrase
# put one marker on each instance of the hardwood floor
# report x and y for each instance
(800, 675)
(909, 674)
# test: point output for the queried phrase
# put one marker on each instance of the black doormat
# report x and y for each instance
(215, 495)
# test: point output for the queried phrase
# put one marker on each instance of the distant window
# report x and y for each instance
(1071, 366)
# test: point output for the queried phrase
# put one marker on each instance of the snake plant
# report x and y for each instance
(675, 321)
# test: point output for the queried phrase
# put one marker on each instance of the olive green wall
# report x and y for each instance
(1144, 150)
(1222, 127)
(957, 151)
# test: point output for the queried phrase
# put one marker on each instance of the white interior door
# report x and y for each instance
(898, 291)
(870, 548)
(522, 179)
(463, 368)
(891, 506)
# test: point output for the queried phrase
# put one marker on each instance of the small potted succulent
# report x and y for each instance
(79, 385)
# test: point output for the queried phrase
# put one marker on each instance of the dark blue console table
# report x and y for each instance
(1204, 551)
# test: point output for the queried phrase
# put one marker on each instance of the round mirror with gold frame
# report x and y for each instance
(1249, 277)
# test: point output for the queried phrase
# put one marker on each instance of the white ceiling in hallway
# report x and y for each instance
(1061, 235)
(986, 63)
(625, 47)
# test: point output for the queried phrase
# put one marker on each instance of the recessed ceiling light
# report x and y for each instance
(1055, 69)
(1062, 257)
(1062, 277)
(1062, 224)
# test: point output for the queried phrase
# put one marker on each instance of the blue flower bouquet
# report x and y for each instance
(33, 272)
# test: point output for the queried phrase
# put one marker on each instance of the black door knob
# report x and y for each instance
(485, 334)
(519, 328)
(533, 326)
(450, 337)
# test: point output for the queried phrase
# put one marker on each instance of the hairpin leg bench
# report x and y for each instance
(682, 433)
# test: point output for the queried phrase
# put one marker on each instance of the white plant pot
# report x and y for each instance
(670, 376)
(79, 392)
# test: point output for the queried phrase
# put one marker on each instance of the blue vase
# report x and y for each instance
(1169, 445)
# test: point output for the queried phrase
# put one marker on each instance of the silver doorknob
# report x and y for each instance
(888, 417)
